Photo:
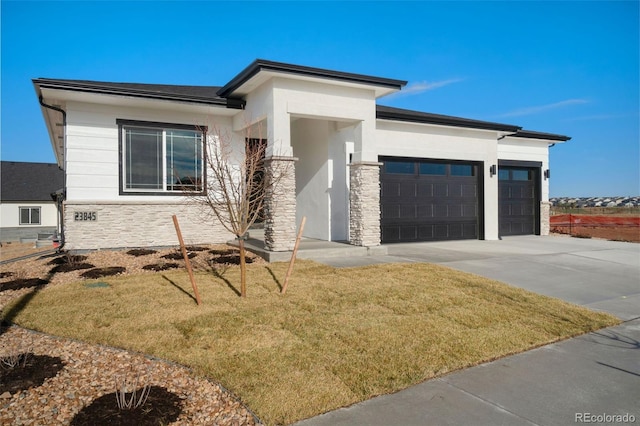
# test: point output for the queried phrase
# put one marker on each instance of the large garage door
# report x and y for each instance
(429, 200)
(518, 200)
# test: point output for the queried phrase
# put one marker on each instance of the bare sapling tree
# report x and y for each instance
(237, 184)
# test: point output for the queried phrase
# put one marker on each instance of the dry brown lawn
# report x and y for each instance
(337, 337)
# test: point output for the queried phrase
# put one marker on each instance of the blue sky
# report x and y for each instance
(561, 67)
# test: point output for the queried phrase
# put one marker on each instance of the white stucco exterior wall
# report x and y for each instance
(92, 162)
(311, 147)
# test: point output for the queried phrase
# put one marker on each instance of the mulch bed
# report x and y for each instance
(103, 272)
(32, 370)
(141, 252)
(22, 283)
(230, 259)
(178, 256)
(161, 407)
(160, 266)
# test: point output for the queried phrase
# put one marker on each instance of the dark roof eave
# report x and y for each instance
(263, 65)
(111, 90)
(398, 114)
(529, 134)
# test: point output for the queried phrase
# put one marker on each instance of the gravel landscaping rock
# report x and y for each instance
(89, 373)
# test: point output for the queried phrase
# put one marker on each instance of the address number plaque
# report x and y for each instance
(85, 216)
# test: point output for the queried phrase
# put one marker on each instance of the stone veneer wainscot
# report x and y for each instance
(139, 224)
(545, 218)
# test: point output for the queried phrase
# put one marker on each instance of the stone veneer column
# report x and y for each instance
(364, 200)
(545, 218)
(280, 204)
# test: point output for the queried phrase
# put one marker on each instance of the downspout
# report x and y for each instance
(61, 197)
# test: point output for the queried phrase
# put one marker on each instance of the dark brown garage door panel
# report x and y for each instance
(423, 207)
(518, 200)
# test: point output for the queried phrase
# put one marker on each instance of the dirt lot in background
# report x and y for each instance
(14, 250)
(611, 227)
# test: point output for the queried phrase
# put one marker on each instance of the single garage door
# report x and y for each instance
(519, 212)
(429, 200)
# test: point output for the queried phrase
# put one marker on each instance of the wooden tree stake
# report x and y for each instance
(186, 259)
(293, 256)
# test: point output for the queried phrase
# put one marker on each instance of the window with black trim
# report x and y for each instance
(29, 215)
(161, 158)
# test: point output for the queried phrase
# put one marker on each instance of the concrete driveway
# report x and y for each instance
(589, 379)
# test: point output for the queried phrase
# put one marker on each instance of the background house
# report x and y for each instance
(27, 207)
(360, 172)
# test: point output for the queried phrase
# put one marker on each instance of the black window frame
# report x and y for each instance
(30, 209)
(123, 124)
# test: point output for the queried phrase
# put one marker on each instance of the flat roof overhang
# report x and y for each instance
(398, 114)
(262, 70)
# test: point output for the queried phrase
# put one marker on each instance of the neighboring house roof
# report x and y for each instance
(398, 114)
(29, 181)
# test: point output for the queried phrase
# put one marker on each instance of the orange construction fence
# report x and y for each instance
(594, 220)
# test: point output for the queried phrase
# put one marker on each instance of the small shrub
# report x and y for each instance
(67, 259)
(141, 252)
(124, 386)
(14, 360)
(67, 267)
(103, 272)
(68, 263)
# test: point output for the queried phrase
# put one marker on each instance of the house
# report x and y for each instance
(360, 172)
(28, 199)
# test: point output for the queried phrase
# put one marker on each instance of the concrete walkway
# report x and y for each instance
(597, 374)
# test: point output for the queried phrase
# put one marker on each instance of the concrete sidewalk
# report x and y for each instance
(597, 374)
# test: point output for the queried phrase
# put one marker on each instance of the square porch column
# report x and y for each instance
(280, 204)
(364, 199)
